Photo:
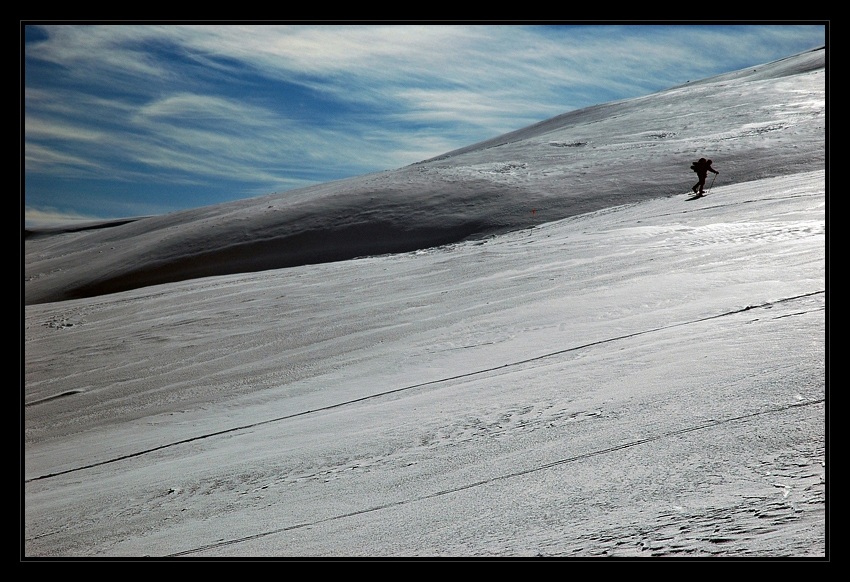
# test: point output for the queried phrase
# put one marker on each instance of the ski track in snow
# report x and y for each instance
(729, 530)
(726, 531)
(411, 387)
(642, 380)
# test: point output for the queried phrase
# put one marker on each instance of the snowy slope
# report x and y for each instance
(754, 123)
(645, 377)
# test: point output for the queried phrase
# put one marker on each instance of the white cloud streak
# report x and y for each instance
(187, 103)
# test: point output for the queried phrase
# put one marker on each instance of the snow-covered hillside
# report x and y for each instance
(756, 123)
(591, 366)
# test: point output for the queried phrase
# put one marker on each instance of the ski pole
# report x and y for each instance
(712, 183)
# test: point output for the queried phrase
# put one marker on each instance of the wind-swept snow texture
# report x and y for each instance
(759, 122)
(645, 377)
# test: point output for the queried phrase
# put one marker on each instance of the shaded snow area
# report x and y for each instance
(585, 364)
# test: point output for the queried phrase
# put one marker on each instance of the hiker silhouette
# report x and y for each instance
(702, 167)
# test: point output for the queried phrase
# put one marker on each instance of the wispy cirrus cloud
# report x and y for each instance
(218, 112)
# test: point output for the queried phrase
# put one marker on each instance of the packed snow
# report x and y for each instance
(536, 346)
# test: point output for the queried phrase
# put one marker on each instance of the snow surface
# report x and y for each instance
(535, 346)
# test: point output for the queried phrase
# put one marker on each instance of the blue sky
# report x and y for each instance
(125, 120)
